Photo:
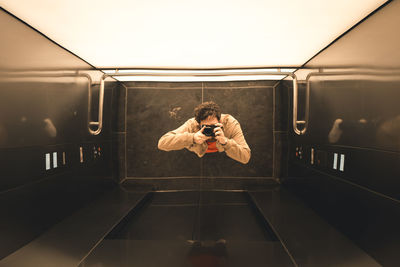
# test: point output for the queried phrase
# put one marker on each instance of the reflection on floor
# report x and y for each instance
(193, 229)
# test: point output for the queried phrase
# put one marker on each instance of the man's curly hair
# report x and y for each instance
(206, 109)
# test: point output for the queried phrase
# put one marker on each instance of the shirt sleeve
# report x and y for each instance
(177, 139)
(236, 146)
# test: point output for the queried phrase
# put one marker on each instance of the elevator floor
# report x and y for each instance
(192, 229)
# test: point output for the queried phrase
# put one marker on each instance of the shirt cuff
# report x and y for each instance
(228, 144)
(190, 139)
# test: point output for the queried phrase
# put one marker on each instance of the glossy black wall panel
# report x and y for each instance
(280, 162)
(27, 139)
(281, 128)
(372, 169)
(367, 107)
(118, 128)
(367, 135)
(119, 100)
(39, 113)
(281, 107)
(367, 218)
(362, 200)
(31, 210)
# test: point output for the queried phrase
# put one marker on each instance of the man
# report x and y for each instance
(227, 135)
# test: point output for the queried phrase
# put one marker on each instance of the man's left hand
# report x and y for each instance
(219, 134)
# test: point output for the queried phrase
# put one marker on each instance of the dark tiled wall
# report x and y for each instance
(119, 105)
(39, 115)
(252, 105)
(156, 108)
(281, 128)
(152, 110)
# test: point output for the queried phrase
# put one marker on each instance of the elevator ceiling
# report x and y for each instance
(192, 34)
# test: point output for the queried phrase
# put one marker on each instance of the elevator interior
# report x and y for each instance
(84, 184)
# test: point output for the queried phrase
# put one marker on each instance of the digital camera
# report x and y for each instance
(209, 130)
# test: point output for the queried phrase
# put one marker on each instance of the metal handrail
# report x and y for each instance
(22, 74)
(377, 72)
(297, 122)
(205, 73)
(99, 122)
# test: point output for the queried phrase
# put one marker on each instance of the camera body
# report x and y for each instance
(209, 130)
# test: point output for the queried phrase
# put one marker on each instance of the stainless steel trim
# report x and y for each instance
(376, 72)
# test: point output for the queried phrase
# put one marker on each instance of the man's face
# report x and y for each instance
(211, 120)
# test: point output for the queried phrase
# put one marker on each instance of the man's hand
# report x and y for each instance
(219, 134)
(199, 137)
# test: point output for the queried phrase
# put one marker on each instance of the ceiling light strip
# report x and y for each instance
(202, 73)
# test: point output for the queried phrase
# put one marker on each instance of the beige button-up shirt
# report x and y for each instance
(235, 148)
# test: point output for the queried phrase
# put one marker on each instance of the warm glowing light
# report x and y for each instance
(200, 79)
(192, 34)
(199, 75)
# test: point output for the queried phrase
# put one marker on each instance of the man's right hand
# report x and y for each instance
(199, 137)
